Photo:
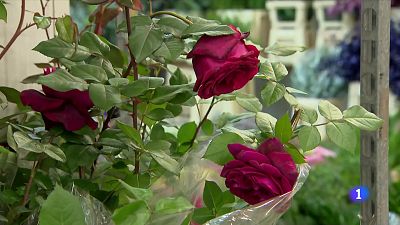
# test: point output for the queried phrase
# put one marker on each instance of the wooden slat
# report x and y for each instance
(375, 19)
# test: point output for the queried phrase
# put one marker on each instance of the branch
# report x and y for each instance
(17, 31)
(135, 77)
(171, 14)
(201, 122)
(44, 13)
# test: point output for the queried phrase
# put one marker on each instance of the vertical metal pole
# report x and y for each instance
(375, 40)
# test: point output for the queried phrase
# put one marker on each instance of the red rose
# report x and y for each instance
(259, 175)
(69, 109)
(223, 63)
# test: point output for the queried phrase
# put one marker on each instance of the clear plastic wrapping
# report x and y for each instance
(266, 213)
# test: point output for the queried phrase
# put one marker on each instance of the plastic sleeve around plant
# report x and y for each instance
(266, 213)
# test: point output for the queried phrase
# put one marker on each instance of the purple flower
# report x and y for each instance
(69, 109)
(259, 175)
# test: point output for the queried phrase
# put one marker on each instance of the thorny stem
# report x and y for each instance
(171, 14)
(135, 77)
(18, 31)
(201, 122)
(30, 181)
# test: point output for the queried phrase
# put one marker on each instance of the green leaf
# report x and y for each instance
(202, 215)
(265, 122)
(135, 21)
(3, 12)
(144, 41)
(171, 49)
(272, 93)
(141, 85)
(165, 161)
(159, 114)
(54, 152)
(158, 145)
(249, 103)
(61, 207)
(175, 109)
(172, 205)
(212, 196)
(291, 100)
(275, 71)
(79, 155)
(294, 152)
(66, 29)
(137, 193)
(309, 115)
(89, 72)
(168, 93)
(55, 48)
(178, 77)
(42, 22)
(172, 25)
(186, 132)
(12, 95)
(61, 80)
(217, 150)
(283, 50)
(104, 96)
(309, 138)
(329, 111)
(343, 135)
(246, 135)
(131, 133)
(116, 56)
(94, 43)
(295, 91)
(211, 29)
(361, 118)
(208, 127)
(136, 213)
(283, 129)
(26, 143)
(118, 82)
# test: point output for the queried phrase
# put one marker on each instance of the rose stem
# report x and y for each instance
(18, 31)
(135, 77)
(30, 181)
(171, 14)
(44, 13)
(201, 122)
(150, 7)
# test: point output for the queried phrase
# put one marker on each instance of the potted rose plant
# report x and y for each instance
(64, 162)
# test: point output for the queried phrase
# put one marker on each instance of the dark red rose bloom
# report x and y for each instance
(69, 109)
(259, 175)
(223, 63)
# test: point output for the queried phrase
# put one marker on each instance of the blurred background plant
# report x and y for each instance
(311, 75)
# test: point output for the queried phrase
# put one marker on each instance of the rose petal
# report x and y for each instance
(39, 102)
(206, 45)
(272, 144)
(284, 162)
(70, 117)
